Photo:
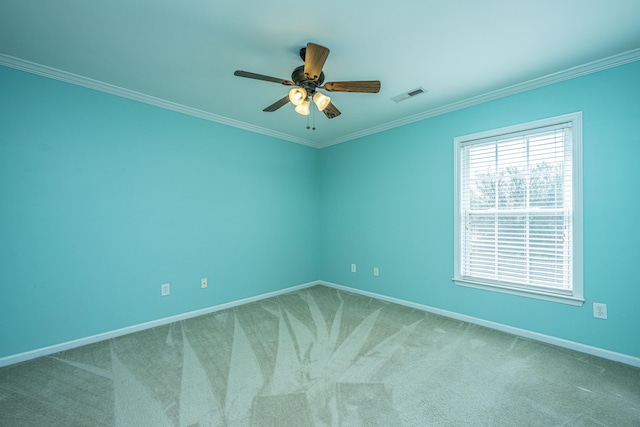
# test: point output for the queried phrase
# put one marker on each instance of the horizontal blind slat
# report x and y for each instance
(514, 193)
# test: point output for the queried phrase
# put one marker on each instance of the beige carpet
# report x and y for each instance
(320, 357)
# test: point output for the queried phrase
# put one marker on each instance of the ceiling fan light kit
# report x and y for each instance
(297, 95)
(308, 78)
(303, 108)
(321, 100)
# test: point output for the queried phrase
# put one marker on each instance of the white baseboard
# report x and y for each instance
(45, 351)
(594, 351)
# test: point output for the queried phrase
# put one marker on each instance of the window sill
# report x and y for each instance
(529, 293)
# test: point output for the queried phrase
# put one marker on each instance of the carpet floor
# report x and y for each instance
(319, 357)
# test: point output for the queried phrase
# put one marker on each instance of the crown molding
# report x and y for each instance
(67, 77)
(571, 73)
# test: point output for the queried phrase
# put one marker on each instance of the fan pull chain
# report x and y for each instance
(313, 114)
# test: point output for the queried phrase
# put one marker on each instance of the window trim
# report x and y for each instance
(576, 297)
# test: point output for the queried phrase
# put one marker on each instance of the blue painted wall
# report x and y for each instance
(103, 199)
(387, 201)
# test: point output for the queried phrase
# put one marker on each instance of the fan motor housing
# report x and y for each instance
(301, 80)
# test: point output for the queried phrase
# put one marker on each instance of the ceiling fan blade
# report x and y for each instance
(315, 58)
(331, 111)
(366, 86)
(279, 103)
(249, 75)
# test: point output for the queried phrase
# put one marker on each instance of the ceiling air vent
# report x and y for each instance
(409, 94)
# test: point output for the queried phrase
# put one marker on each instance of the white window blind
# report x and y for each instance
(516, 210)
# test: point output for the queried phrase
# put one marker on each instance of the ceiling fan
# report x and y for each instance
(308, 78)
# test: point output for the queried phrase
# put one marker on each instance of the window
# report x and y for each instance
(518, 207)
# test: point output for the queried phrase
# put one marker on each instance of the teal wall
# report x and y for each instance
(387, 202)
(103, 199)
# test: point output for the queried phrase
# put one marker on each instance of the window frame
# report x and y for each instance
(576, 296)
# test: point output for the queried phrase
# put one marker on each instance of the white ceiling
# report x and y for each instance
(185, 52)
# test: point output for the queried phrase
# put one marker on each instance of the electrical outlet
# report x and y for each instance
(165, 289)
(599, 310)
(353, 268)
(376, 272)
(203, 283)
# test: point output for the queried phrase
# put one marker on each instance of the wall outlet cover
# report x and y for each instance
(599, 310)
(165, 289)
